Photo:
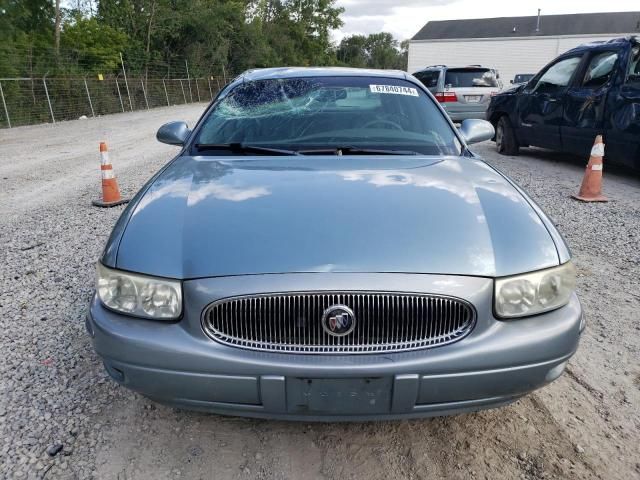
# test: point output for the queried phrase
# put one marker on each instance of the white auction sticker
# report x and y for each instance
(394, 89)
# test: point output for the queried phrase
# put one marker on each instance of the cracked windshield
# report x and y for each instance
(310, 115)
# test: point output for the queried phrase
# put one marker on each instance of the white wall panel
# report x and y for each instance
(510, 56)
(568, 43)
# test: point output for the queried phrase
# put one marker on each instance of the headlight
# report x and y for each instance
(138, 295)
(535, 292)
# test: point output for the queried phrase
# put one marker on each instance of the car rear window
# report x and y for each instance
(470, 77)
(428, 79)
(523, 77)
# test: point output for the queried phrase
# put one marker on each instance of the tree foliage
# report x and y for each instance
(208, 34)
(98, 44)
(378, 50)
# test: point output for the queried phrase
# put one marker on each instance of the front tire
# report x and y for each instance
(506, 140)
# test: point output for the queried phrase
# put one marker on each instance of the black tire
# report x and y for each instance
(506, 140)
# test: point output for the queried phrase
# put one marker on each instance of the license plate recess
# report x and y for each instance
(339, 396)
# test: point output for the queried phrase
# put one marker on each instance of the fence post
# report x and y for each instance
(210, 91)
(182, 87)
(224, 75)
(4, 104)
(119, 96)
(188, 80)
(144, 92)
(86, 87)
(124, 72)
(218, 82)
(46, 91)
(165, 92)
(197, 89)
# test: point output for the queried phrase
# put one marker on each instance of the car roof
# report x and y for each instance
(603, 45)
(433, 68)
(298, 72)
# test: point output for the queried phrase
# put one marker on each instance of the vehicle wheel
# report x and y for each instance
(506, 138)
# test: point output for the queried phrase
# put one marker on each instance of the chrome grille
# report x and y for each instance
(385, 322)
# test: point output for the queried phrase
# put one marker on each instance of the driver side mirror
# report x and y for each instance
(475, 130)
(173, 133)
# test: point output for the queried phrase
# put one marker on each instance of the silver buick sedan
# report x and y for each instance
(326, 246)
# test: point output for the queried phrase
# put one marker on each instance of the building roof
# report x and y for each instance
(550, 25)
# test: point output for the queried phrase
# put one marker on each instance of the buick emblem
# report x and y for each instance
(338, 320)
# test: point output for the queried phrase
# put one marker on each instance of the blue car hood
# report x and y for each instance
(216, 216)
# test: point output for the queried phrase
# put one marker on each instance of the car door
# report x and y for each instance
(585, 102)
(540, 104)
(622, 120)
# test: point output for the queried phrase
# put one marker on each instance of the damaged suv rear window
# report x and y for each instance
(470, 77)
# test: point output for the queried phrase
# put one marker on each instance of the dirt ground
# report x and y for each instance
(53, 389)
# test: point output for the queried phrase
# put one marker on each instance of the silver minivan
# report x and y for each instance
(464, 92)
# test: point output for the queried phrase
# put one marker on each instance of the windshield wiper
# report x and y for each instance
(355, 151)
(242, 148)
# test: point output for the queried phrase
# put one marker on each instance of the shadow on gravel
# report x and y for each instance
(145, 440)
(552, 156)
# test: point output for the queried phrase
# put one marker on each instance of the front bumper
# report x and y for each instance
(176, 363)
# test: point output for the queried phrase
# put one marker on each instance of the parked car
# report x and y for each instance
(326, 246)
(464, 92)
(590, 90)
(521, 78)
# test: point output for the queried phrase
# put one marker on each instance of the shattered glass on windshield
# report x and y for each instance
(329, 112)
(254, 99)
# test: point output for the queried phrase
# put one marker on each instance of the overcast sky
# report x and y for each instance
(403, 18)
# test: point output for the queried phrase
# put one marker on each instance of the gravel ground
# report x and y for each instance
(61, 417)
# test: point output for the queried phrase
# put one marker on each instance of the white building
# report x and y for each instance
(513, 44)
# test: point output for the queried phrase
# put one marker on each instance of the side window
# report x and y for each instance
(557, 75)
(634, 66)
(600, 70)
(429, 79)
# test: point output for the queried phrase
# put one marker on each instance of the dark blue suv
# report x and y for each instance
(590, 90)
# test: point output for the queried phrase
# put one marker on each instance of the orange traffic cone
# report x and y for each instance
(110, 192)
(591, 188)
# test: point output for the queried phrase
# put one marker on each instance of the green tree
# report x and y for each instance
(297, 32)
(26, 22)
(26, 32)
(377, 50)
(97, 45)
(404, 55)
(352, 51)
(382, 50)
(157, 36)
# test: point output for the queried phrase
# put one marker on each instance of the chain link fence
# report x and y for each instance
(29, 100)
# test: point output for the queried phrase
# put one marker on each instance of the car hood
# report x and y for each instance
(214, 216)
